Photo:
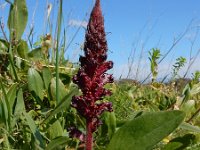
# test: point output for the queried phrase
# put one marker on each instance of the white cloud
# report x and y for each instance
(78, 23)
(164, 69)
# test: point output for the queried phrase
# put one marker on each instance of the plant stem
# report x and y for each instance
(89, 138)
(57, 51)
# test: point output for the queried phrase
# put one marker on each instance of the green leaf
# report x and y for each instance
(195, 89)
(180, 143)
(58, 143)
(36, 53)
(3, 113)
(46, 74)
(143, 132)
(189, 127)
(19, 107)
(55, 130)
(23, 49)
(35, 83)
(63, 105)
(34, 129)
(17, 20)
(110, 121)
(62, 90)
(12, 94)
(5, 107)
(188, 107)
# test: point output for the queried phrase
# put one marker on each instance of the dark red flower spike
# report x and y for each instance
(92, 75)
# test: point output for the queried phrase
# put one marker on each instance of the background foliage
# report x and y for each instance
(36, 90)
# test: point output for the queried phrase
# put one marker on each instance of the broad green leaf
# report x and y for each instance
(34, 129)
(55, 130)
(18, 17)
(35, 83)
(23, 49)
(36, 54)
(58, 143)
(62, 90)
(46, 74)
(12, 94)
(19, 107)
(63, 105)
(143, 132)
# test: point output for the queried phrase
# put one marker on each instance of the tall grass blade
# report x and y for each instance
(57, 49)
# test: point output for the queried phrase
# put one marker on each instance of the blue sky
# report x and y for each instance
(131, 24)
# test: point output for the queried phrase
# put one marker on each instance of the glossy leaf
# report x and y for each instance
(143, 132)
(35, 83)
(18, 18)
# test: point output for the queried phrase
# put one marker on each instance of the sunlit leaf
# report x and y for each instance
(18, 17)
(143, 132)
(46, 74)
(35, 83)
(195, 89)
(36, 53)
(62, 90)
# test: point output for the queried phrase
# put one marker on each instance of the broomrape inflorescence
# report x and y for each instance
(92, 75)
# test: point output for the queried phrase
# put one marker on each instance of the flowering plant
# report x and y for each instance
(92, 75)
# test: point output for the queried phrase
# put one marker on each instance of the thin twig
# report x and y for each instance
(2, 29)
(176, 41)
(192, 60)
